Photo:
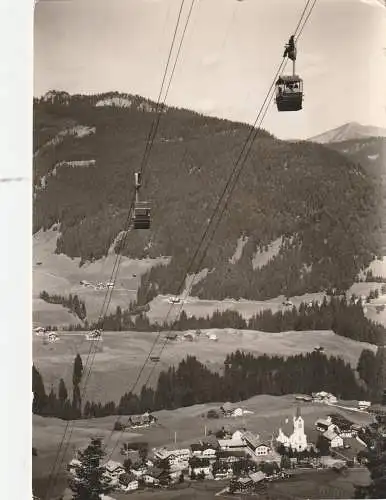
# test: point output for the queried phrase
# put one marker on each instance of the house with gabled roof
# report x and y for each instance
(334, 439)
(128, 482)
(235, 443)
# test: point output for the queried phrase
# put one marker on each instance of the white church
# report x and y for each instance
(297, 441)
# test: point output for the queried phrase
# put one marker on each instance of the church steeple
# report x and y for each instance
(298, 413)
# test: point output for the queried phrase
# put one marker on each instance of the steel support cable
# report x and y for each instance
(253, 133)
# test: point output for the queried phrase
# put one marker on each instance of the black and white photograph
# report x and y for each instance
(208, 249)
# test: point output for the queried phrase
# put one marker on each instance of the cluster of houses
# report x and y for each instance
(330, 399)
(94, 335)
(340, 433)
(324, 397)
(228, 411)
(210, 458)
(141, 421)
(241, 457)
(97, 286)
(48, 336)
(192, 336)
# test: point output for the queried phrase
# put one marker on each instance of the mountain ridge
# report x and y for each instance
(319, 203)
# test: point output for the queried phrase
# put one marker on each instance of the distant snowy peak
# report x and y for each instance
(349, 131)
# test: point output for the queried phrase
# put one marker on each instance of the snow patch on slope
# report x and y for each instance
(262, 258)
(241, 242)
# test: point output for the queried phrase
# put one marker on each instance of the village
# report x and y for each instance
(239, 458)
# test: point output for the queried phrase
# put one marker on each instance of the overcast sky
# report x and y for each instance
(229, 57)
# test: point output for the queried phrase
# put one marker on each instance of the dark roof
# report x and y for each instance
(289, 78)
(126, 478)
(244, 480)
(231, 453)
(155, 472)
(211, 441)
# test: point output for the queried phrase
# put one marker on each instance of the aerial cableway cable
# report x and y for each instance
(150, 139)
(232, 181)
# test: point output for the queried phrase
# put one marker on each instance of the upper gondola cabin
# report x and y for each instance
(289, 93)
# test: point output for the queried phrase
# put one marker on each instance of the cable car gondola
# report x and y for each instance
(141, 216)
(289, 88)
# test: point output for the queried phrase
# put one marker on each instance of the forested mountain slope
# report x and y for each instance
(307, 214)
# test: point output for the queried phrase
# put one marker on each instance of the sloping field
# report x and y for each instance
(62, 275)
(59, 274)
(269, 413)
(52, 314)
(121, 354)
(159, 307)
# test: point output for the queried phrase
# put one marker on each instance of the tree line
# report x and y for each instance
(58, 404)
(342, 315)
(191, 382)
(72, 302)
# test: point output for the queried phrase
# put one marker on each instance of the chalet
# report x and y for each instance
(175, 457)
(211, 442)
(364, 405)
(52, 337)
(144, 420)
(323, 424)
(235, 443)
(348, 433)
(254, 444)
(199, 466)
(230, 456)
(243, 484)
(237, 412)
(128, 482)
(114, 470)
(71, 467)
(139, 470)
(262, 450)
(156, 476)
(335, 440)
(222, 472)
(324, 397)
(203, 450)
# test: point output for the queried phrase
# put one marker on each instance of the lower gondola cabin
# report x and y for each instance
(289, 93)
(141, 218)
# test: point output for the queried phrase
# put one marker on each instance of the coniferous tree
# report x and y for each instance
(76, 402)
(62, 392)
(89, 482)
(40, 397)
(78, 370)
(376, 464)
(76, 379)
